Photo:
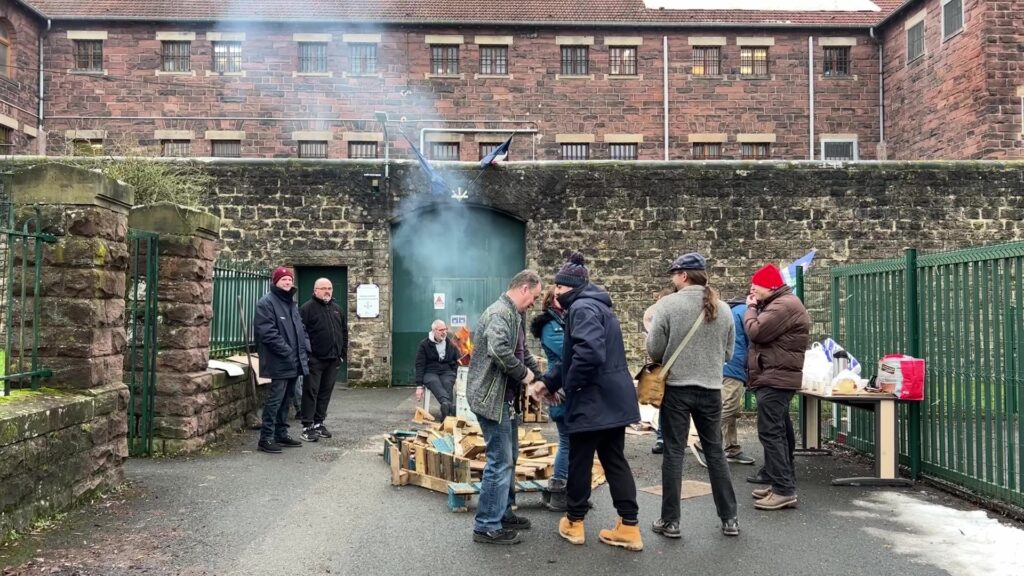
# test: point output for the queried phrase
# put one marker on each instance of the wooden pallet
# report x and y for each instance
(459, 493)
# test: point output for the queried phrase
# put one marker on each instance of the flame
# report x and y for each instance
(465, 344)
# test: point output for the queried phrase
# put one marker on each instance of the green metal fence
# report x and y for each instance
(961, 311)
(141, 320)
(236, 289)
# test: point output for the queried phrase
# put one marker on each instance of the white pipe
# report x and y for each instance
(810, 78)
(664, 50)
(423, 133)
(881, 85)
(39, 116)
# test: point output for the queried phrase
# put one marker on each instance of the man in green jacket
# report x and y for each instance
(498, 370)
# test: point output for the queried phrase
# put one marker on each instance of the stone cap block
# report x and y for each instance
(169, 218)
(67, 185)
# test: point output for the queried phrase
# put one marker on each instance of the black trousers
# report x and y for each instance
(317, 389)
(442, 386)
(775, 431)
(610, 446)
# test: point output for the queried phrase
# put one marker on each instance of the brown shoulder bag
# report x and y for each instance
(650, 388)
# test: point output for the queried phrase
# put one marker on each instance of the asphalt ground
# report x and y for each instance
(329, 508)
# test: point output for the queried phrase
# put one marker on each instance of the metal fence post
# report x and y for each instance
(914, 349)
(800, 295)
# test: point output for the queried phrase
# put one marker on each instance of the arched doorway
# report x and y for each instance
(449, 261)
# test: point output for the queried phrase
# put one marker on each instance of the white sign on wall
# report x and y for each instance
(438, 300)
(457, 321)
(367, 301)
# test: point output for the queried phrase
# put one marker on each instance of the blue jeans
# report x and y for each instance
(275, 409)
(562, 456)
(497, 487)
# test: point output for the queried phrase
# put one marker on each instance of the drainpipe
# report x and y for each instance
(39, 115)
(810, 78)
(664, 50)
(881, 85)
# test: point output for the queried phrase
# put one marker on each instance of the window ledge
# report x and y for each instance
(215, 73)
(707, 77)
(183, 73)
(574, 76)
(824, 78)
(362, 75)
(623, 76)
(492, 76)
(429, 76)
(296, 74)
(953, 35)
(917, 59)
(88, 72)
(757, 77)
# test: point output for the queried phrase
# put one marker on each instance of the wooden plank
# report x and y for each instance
(428, 482)
(421, 458)
(395, 457)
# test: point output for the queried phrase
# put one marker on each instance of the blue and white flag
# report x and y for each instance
(438, 185)
(789, 272)
(499, 153)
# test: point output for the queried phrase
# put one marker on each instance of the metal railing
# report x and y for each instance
(236, 289)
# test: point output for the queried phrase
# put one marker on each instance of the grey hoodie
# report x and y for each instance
(700, 363)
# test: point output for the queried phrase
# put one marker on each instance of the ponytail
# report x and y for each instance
(700, 278)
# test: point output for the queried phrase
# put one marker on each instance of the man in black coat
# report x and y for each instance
(282, 346)
(437, 360)
(328, 342)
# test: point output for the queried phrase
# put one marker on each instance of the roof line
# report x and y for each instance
(32, 9)
(893, 14)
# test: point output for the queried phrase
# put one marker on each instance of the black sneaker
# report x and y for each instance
(658, 448)
(309, 434)
(322, 431)
(269, 447)
(758, 479)
(740, 458)
(698, 453)
(514, 522)
(499, 536)
(668, 529)
(288, 442)
(731, 527)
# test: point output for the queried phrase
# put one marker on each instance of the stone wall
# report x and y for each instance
(629, 219)
(19, 88)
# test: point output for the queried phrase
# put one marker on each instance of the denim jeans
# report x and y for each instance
(497, 486)
(705, 407)
(275, 409)
(562, 456)
(775, 430)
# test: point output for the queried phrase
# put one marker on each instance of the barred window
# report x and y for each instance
(87, 147)
(176, 148)
(622, 61)
(5, 53)
(227, 56)
(839, 151)
(575, 151)
(176, 56)
(707, 151)
(487, 147)
(836, 61)
(494, 60)
(362, 58)
(753, 61)
(362, 149)
(312, 149)
(312, 57)
(89, 55)
(952, 17)
(622, 151)
(915, 42)
(575, 60)
(707, 61)
(755, 151)
(446, 151)
(226, 149)
(444, 60)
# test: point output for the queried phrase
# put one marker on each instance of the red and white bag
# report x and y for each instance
(902, 376)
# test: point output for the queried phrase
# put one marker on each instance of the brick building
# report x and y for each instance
(919, 79)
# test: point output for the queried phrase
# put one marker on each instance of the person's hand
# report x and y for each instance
(751, 300)
(419, 393)
(529, 376)
(538, 391)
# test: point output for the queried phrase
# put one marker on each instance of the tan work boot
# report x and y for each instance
(571, 530)
(623, 536)
(761, 493)
(776, 502)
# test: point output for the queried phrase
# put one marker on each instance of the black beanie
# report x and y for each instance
(573, 273)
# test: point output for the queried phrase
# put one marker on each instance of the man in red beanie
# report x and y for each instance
(778, 328)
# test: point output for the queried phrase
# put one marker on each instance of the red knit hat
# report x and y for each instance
(768, 276)
(280, 272)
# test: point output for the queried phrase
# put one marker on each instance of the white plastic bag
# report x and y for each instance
(817, 373)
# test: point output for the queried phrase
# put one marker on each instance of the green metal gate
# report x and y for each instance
(141, 331)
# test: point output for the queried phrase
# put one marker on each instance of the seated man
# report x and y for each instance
(437, 360)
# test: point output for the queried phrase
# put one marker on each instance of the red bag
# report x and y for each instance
(902, 376)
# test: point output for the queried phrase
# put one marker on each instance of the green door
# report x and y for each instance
(307, 276)
(448, 262)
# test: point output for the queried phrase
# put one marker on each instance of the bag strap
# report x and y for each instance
(686, 340)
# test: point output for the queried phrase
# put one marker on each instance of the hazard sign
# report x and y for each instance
(438, 300)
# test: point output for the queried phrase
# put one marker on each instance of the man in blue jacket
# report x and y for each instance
(282, 345)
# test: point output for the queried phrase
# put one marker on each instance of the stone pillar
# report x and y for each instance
(189, 407)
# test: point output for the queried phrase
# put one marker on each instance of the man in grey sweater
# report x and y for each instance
(693, 387)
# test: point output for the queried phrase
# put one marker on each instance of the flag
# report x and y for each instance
(499, 153)
(789, 274)
(438, 185)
